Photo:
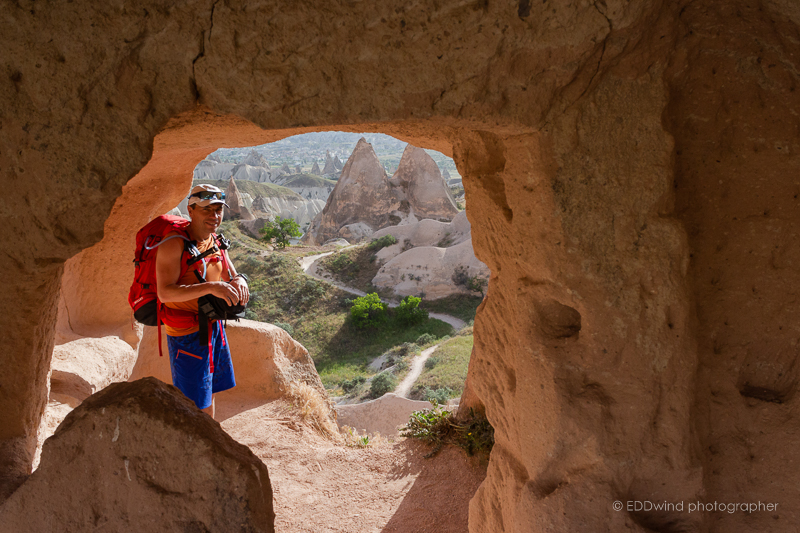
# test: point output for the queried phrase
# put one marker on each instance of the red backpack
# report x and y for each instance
(142, 297)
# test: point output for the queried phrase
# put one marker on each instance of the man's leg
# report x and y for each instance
(210, 409)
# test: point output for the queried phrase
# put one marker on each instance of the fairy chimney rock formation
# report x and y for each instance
(365, 200)
(254, 159)
(337, 163)
(285, 169)
(315, 169)
(362, 196)
(236, 206)
(330, 168)
(297, 169)
(425, 189)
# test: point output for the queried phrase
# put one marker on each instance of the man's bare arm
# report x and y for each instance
(168, 270)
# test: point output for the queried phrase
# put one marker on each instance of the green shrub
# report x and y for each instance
(431, 362)
(368, 311)
(285, 326)
(407, 348)
(349, 384)
(425, 338)
(438, 427)
(341, 263)
(409, 313)
(438, 396)
(383, 242)
(382, 383)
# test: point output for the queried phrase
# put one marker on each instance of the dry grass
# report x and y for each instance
(315, 410)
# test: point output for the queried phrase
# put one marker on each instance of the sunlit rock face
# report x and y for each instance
(630, 175)
(365, 199)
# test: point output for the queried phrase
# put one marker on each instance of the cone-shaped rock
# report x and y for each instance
(362, 196)
(445, 175)
(236, 206)
(337, 163)
(285, 169)
(330, 168)
(315, 169)
(425, 189)
(254, 159)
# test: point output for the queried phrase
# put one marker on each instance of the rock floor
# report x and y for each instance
(321, 486)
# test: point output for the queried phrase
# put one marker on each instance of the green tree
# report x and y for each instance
(409, 313)
(280, 229)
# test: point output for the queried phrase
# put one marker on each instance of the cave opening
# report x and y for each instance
(104, 326)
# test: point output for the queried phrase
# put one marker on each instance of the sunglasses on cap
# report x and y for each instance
(209, 195)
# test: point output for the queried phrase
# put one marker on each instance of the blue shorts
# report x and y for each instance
(191, 371)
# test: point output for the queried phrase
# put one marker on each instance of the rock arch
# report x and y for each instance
(631, 187)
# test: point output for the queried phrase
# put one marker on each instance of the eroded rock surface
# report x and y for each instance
(141, 457)
(424, 188)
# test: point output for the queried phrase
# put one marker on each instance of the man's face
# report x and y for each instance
(208, 218)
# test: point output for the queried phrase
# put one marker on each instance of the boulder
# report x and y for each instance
(84, 366)
(429, 271)
(266, 360)
(141, 457)
(427, 193)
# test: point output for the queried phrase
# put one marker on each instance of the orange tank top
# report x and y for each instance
(215, 266)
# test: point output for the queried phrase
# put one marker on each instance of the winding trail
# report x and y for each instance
(310, 265)
(417, 364)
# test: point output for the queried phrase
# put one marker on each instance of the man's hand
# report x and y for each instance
(224, 290)
(241, 287)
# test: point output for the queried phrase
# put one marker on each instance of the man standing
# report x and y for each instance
(200, 367)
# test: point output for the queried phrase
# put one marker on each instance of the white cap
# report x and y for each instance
(215, 195)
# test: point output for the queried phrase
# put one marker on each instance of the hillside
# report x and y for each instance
(307, 180)
(255, 189)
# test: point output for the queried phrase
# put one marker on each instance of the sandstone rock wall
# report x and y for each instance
(616, 353)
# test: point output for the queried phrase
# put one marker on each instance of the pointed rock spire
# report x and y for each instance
(426, 191)
(315, 169)
(236, 207)
(330, 168)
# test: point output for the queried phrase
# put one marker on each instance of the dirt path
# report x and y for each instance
(310, 265)
(320, 486)
(417, 364)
